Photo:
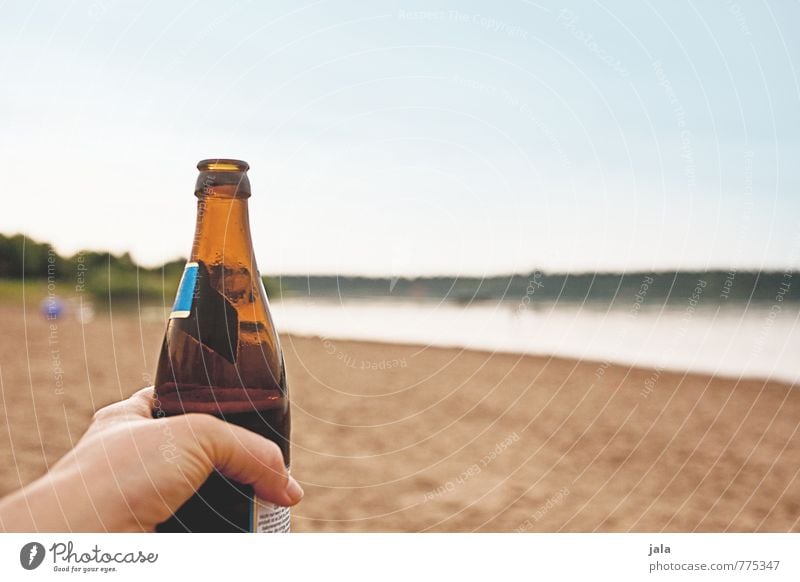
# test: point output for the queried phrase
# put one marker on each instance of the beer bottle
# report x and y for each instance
(221, 354)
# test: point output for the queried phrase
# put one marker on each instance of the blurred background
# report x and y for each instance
(535, 264)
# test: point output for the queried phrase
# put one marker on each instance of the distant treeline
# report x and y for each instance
(103, 276)
(106, 276)
(712, 287)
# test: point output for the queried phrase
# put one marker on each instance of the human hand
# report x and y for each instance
(121, 477)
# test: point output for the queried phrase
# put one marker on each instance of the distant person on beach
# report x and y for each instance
(130, 472)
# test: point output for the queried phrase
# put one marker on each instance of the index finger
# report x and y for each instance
(138, 405)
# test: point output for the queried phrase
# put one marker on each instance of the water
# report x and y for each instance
(733, 340)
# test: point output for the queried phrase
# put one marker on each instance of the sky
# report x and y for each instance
(411, 138)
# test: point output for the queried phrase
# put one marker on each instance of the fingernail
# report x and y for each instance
(293, 490)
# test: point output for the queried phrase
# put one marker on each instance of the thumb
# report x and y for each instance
(245, 457)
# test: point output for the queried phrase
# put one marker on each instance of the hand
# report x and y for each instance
(130, 472)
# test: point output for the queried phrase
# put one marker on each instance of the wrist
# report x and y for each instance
(55, 502)
(29, 510)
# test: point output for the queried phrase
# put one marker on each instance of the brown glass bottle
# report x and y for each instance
(221, 354)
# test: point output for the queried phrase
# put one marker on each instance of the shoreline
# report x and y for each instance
(547, 357)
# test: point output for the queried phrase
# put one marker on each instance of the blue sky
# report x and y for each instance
(415, 137)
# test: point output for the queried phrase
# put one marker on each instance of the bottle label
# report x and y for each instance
(267, 517)
(182, 307)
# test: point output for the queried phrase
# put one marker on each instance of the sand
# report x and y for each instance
(413, 438)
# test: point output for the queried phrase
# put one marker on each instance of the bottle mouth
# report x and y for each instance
(222, 165)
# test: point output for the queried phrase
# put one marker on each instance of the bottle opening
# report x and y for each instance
(222, 165)
(222, 178)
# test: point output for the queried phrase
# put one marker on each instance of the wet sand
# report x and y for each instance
(413, 438)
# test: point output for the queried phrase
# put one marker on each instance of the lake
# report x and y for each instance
(735, 340)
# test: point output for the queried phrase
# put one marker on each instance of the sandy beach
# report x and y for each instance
(414, 438)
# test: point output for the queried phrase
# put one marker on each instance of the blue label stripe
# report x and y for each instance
(183, 301)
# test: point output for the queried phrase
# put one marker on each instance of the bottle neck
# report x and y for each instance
(222, 234)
